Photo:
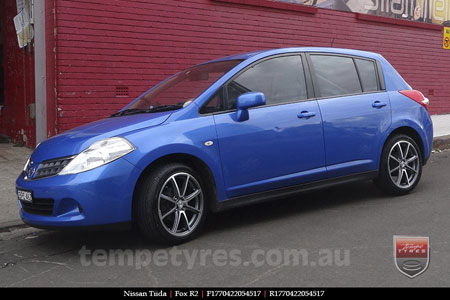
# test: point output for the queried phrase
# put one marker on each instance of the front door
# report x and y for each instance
(281, 144)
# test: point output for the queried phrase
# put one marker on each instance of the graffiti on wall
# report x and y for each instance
(428, 11)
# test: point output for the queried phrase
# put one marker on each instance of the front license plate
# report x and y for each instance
(24, 195)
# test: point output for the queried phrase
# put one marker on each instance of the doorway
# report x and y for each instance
(17, 90)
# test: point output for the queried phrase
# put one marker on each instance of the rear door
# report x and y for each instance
(281, 144)
(355, 110)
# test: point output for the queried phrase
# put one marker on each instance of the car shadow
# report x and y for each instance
(359, 192)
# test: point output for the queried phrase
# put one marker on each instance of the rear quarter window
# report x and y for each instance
(368, 74)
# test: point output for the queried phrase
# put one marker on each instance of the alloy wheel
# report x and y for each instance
(180, 204)
(403, 164)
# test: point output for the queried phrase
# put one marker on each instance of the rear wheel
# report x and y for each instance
(400, 166)
(171, 205)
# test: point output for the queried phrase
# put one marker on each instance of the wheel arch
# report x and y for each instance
(192, 161)
(411, 132)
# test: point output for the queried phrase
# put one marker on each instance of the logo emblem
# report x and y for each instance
(411, 254)
(31, 170)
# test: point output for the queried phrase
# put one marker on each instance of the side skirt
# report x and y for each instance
(292, 190)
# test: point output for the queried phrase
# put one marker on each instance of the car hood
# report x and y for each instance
(78, 139)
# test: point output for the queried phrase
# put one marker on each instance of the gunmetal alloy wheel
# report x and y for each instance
(171, 204)
(180, 204)
(400, 165)
(403, 164)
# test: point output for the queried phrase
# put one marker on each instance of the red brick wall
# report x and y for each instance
(103, 44)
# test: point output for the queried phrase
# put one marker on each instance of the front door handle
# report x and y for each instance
(378, 104)
(306, 115)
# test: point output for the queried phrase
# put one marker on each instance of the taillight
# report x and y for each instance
(416, 96)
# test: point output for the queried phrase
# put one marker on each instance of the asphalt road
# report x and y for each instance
(354, 219)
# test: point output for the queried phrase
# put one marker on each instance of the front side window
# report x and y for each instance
(184, 87)
(215, 104)
(281, 80)
(335, 75)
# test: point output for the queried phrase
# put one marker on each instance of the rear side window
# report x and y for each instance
(281, 80)
(368, 74)
(336, 75)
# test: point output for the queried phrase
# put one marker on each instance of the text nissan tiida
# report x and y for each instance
(229, 132)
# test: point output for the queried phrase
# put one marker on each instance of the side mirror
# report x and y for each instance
(246, 101)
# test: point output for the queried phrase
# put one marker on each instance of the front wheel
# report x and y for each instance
(171, 206)
(400, 166)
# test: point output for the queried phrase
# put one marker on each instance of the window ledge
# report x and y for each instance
(273, 4)
(386, 20)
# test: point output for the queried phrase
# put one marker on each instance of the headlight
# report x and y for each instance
(29, 159)
(26, 164)
(98, 154)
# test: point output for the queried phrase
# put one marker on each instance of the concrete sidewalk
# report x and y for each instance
(441, 125)
(441, 131)
(12, 160)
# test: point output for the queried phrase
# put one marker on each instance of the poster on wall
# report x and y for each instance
(23, 21)
(427, 11)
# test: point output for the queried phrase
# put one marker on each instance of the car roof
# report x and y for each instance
(264, 53)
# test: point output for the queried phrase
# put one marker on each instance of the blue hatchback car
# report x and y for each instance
(231, 132)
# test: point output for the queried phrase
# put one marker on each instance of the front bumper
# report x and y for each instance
(97, 197)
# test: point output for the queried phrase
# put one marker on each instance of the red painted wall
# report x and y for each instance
(104, 44)
(15, 120)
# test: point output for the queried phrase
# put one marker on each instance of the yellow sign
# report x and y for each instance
(446, 42)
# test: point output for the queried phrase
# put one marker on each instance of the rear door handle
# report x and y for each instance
(378, 104)
(306, 114)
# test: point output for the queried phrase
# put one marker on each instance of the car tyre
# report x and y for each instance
(171, 206)
(400, 166)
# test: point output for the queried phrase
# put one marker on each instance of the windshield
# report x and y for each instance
(183, 88)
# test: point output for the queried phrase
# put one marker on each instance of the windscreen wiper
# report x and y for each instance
(160, 108)
(125, 112)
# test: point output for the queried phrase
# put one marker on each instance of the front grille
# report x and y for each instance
(43, 207)
(51, 167)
